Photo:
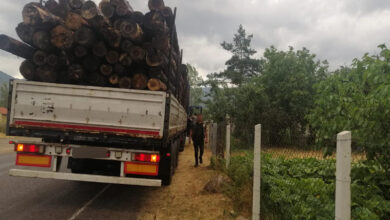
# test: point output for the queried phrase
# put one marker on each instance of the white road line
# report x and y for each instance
(79, 211)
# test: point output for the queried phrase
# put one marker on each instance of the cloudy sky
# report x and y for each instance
(336, 30)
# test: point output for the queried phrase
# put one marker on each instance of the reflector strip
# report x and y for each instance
(33, 160)
(84, 127)
(141, 169)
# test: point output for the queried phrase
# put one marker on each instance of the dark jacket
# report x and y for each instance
(198, 132)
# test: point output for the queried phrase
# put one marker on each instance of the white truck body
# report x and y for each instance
(89, 109)
(37, 108)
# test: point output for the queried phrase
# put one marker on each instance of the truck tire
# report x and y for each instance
(182, 143)
(169, 164)
(167, 178)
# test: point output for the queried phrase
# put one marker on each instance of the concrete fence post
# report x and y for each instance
(343, 176)
(256, 174)
(214, 141)
(227, 155)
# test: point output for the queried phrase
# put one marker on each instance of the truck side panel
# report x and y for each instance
(89, 109)
(177, 118)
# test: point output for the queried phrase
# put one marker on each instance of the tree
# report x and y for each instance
(4, 95)
(356, 99)
(196, 92)
(241, 66)
(288, 78)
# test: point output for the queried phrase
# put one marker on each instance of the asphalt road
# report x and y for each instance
(27, 198)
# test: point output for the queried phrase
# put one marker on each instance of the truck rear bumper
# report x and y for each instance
(85, 177)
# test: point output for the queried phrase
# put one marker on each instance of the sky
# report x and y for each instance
(335, 30)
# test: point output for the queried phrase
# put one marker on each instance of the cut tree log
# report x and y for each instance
(161, 42)
(112, 56)
(139, 81)
(99, 22)
(16, 47)
(41, 40)
(76, 4)
(119, 69)
(123, 8)
(28, 70)
(125, 59)
(107, 9)
(52, 60)
(46, 74)
(154, 22)
(96, 79)
(89, 10)
(25, 32)
(159, 74)
(153, 58)
(85, 36)
(39, 57)
(137, 54)
(61, 37)
(106, 69)
(111, 36)
(137, 17)
(51, 5)
(156, 5)
(131, 30)
(168, 15)
(156, 85)
(35, 15)
(117, 23)
(125, 82)
(99, 49)
(65, 58)
(126, 46)
(59, 9)
(76, 73)
(80, 51)
(114, 80)
(91, 64)
(75, 21)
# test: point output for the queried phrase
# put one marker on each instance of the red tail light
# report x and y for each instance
(154, 158)
(28, 148)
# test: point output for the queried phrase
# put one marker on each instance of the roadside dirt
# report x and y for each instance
(185, 198)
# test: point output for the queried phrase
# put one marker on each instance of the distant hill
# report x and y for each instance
(4, 77)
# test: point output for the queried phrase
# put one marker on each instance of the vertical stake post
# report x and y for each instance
(256, 174)
(343, 176)
(227, 155)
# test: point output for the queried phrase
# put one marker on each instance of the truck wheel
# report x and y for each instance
(169, 166)
(167, 179)
(182, 143)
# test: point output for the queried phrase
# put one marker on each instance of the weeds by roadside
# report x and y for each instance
(303, 188)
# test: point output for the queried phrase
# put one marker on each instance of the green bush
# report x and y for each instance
(305, 188)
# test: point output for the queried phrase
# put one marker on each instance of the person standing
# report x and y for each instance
(189, 128)
(198, 134)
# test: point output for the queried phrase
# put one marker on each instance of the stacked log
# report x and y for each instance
(106, 44)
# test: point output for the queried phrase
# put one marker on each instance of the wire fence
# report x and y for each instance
(295, 180)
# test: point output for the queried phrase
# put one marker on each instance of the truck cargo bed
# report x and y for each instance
(93, 110)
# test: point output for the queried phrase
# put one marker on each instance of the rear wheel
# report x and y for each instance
(170, 163)
(167, 178)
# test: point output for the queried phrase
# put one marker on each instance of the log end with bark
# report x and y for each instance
(156, 5)
(61, 37)
(156, 85)
(139, 81)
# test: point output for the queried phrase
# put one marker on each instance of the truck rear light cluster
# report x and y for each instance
(29, 148)
(153, 158)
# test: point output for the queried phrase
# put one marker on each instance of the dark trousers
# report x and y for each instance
(198, 145)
